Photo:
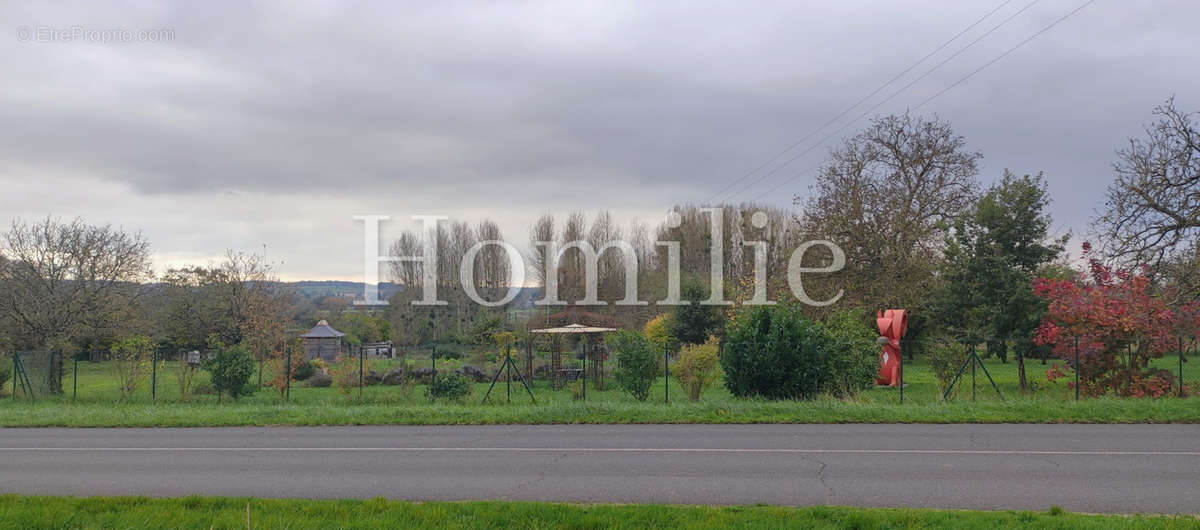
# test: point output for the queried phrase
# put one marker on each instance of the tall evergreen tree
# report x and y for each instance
(992, 257)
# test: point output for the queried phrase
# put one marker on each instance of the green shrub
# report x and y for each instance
(852, 361)
(451, 387)
(305, 370)
(773, 352)
(697, 369)
(637, 362)
(130, 360)
(230, 372)
(576, 389)
(946, 356)
(320, 380)
(5, 374)
(658, 332)
(694, 322)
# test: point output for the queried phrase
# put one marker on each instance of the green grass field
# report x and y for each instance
(203, 513)
(99, 404)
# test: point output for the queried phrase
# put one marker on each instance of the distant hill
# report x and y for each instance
(320, 289)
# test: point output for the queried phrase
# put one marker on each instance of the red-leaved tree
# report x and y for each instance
(1121, 322)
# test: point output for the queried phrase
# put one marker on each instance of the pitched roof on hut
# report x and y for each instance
(323, 331)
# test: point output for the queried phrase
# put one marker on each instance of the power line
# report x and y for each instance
(951, 86)
(860, 101)
(887, 99)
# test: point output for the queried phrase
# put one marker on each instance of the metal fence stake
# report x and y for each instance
(666, 374)
(1076, 368)
(1180, 366)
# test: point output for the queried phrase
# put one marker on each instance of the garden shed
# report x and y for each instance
(324, 342)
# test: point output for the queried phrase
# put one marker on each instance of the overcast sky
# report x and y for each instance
(244, 127)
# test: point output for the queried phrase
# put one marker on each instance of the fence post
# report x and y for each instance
(901, 371)
(75, 379)
(1180, 366)
(1077, 368)
(153, 375)
(287, 385)
(433, 378)
(667, 373)
(360, 372)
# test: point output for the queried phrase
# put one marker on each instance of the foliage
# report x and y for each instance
(320, 380)
(131, 358)
(305, 369)
(853, 359)
(694, 322)
(1121, 323)
(637, 362)
(185, 375)
(5, 373)
(658, 331)
(576, 389)
(991, 259)
(887, 196)
(946, 356)
(284, 372)
(230, 371)
(1151, 210)
(773, 352)
(362, 328)
(697, 367)
(68, 281)
(346, 374)
(449, 386)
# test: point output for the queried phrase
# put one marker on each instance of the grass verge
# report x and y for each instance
(217, 512)
(52, 414)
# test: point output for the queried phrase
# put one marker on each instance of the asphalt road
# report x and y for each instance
(1090, 468)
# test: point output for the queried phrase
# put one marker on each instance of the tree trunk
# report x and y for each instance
(1021, 370)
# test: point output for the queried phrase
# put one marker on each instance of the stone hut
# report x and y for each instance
(324, 342)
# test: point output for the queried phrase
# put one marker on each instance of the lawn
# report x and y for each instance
(197, 512)
(98, 404)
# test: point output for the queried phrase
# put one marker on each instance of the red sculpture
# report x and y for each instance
(893, 324)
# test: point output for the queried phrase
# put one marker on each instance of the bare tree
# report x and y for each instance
(62, 280)
(1153, 207)
(885, 197)
(542, 230)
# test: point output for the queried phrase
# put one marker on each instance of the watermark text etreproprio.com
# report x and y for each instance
(77, 33)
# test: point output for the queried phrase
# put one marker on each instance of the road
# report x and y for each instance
(1089, 468)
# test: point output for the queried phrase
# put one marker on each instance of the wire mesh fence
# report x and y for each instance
(928, 371)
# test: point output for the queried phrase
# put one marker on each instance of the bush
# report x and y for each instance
(131, 358)
(230, 372)
(637, 362)
(576, 389)
(946, 356)
(658, 332)
(346, 374)
(451, 387)
(320, 380)
(306, 370)
(773, 352)
(694, 322)
(853, 358)
(5, 374)
(697, 367)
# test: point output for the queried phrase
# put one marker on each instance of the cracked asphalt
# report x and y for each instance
(1089, 468)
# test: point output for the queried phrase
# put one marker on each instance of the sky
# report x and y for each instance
(266, 128)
